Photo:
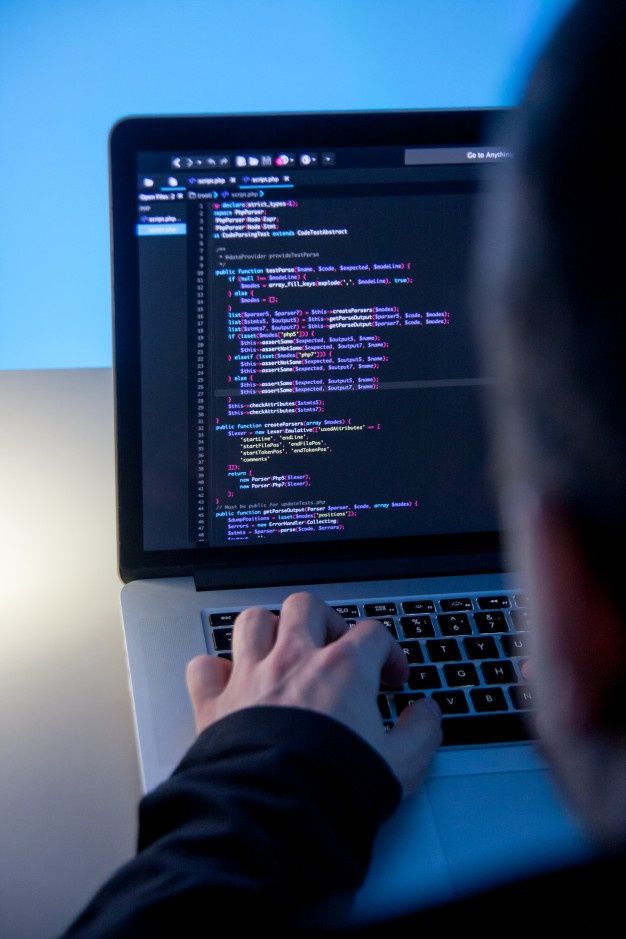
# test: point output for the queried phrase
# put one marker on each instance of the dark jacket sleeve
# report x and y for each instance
(272, 812)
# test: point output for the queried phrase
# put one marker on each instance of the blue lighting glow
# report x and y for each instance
(69, 70)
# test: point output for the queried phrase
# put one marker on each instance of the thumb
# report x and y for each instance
(206, 677)
(411, 744)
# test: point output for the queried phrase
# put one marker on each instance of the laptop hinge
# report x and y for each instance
(307, 572)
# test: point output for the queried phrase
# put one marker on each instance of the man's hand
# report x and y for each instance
(307, 658)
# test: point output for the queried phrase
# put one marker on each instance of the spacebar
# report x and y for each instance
(490, 728)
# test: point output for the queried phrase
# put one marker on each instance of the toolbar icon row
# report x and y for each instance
(243, 160)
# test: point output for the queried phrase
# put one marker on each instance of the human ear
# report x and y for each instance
(579, 638)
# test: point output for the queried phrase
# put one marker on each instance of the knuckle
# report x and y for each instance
(373, 627)
(342, 655)
(195, 666)
(253, 614)
(377, 635)
(287, 657)
(301, 598)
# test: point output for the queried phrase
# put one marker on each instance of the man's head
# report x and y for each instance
(550, 305)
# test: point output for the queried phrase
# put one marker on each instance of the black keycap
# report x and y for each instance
(443, 650)
(522, 697)
(517, 644)
(349, 610)
(456, 604)
(491, 622)
(418, 606)
(383, 707)
(494, 603)
(350, 623)
(380, 609)
(223, 639)
(451, 702)
(489, 699)
(424, 676)
(458, 676)
(498, 673)
(222, 619)
(225, 655)
(402, 701)
(387, 621)
(521, 619)
(481, 647)
(413, 651)
(415, 627)
(389, 624)
(454, 624)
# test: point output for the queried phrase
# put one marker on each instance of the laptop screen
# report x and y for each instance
(304, 342)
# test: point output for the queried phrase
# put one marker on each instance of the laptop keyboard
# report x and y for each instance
(466, 651)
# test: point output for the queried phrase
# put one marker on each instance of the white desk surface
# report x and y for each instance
(69, 781)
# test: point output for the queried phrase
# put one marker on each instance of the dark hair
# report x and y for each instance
(550, 293)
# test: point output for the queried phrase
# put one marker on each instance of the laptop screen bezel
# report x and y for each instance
(225, 566)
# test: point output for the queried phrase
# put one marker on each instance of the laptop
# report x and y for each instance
(298, 406)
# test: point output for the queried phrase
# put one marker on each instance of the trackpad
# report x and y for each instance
(462, 832)
(409, 867)
(498, 825)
